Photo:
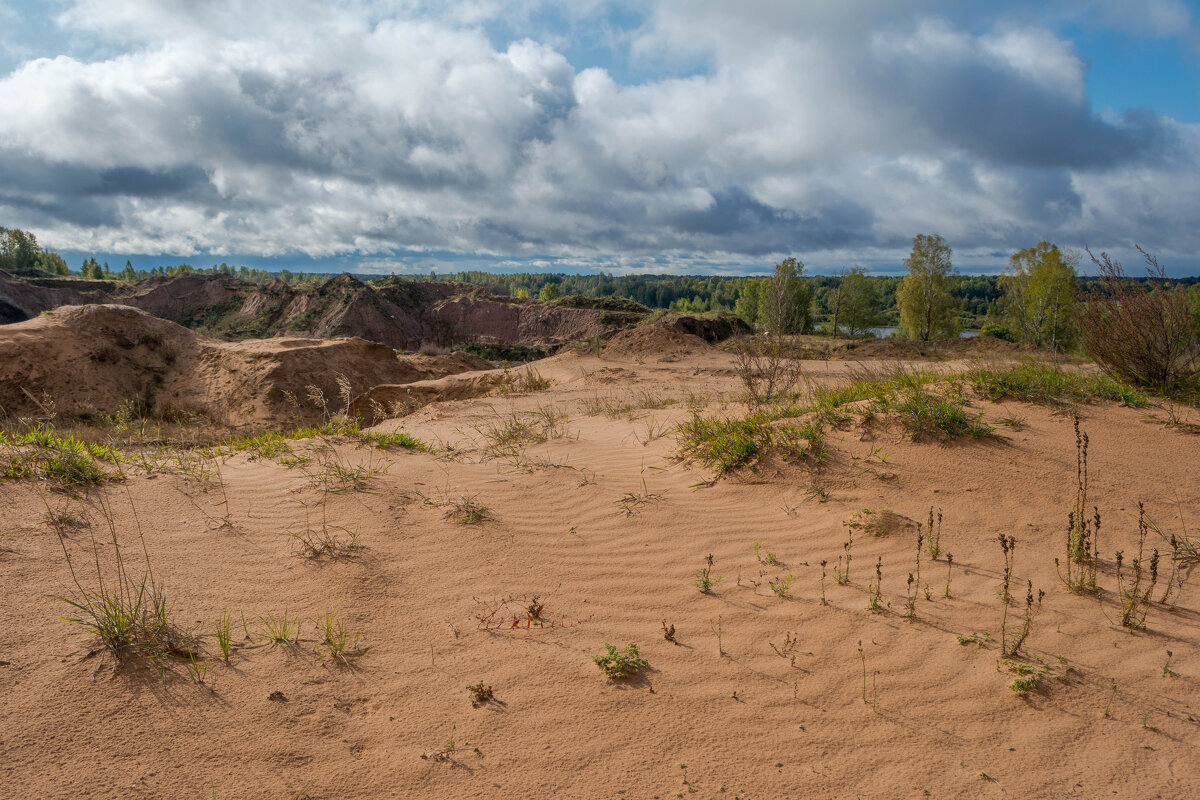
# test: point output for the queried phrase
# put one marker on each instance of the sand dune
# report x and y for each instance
(587, 508)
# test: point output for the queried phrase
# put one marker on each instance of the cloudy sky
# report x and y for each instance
(667, 135)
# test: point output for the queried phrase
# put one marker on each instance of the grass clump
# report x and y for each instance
(397, 439)
(336, 641)
(126, 611)
(1049, 384)
(41, 453)
(620, 664)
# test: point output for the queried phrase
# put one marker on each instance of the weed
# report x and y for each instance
(222, 634)
(448, 749)
(1027, 619)
(1026, 676)
(1167, 669)
(197, 670)
(326, 544)
(668, 632)
(823, 563)
(467, 511)
(620, 664)
(510, 612)
(632, 502)
(1134, 600)
(949, 569)
(875, 590)
(842, 573)
(719, 629)
(481, 694)
(127, 614)
(1112, 697)
(873, 700)
(336, 641)
(705, 580)
(525, 381)
(981, 639)
(781, 585)
(933, 535)
(1008, 545)
(279, 630)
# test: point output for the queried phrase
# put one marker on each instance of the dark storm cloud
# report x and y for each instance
(327, 130)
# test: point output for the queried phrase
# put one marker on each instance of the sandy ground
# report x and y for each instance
(608, 531)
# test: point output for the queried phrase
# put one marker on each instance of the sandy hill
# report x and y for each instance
(95, 358)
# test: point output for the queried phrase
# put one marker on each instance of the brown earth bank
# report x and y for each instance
(407, 315)
(95, 359)
(779, 681)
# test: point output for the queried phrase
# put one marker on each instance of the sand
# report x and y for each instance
(608, 530)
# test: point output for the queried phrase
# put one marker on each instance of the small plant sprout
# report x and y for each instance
(1111, 698)
(620, 664)
(949, 569)
(781, 585)
(875, 589)
(705, 580)
(668, 631)
(1167, 669)
(1027, 620)
(823, 563)
(223, 634)
(842, 573)
(719, 630)
(1026, 676)
(448, 750)
(1135, 601)
(933, 534)
(787, 649)
(873, 699)
(910, 600)
(336, 641)
(1008, 545)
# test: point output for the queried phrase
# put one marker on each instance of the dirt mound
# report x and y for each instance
(653, 341)
(398, 400)
(80, 360)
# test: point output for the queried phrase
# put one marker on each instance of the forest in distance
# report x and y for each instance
(1033, 300)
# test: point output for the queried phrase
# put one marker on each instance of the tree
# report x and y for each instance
(857, 302)
(785, 300)
(550, 291)
(1039, 294)
(926, 305)
(748, 301)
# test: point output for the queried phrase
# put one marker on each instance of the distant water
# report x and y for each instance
(883, 333)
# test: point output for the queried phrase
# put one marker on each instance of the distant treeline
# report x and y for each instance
(974, 300)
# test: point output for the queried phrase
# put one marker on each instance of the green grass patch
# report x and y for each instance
(1047, 384)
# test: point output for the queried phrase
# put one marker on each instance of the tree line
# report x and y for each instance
(1034, 300)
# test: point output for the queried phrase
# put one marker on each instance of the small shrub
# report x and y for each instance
(620, 664)
(1140, 331)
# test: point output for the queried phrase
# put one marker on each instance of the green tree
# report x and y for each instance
(748, 301)
(785, 302)
(858, 303)
(550, 291)
(927, 308)
(1039, 294)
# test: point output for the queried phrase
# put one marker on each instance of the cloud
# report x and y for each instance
(833, 131)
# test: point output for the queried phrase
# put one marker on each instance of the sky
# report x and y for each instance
(686, 136)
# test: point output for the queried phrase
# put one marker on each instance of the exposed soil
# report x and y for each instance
(808, 694)
(86, 360)
(405, 315)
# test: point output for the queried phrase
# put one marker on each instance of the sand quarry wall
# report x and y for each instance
(95, 358)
